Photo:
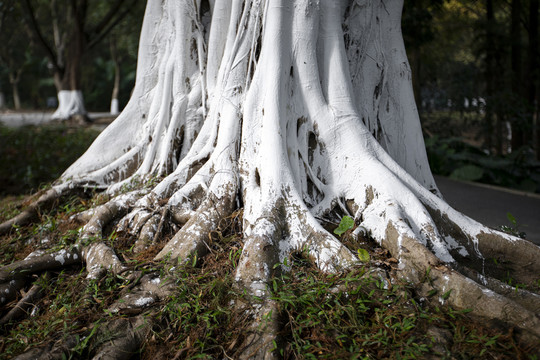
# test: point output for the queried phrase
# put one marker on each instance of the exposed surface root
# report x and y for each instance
(419, 265)
(262, 336)
(40, 261)
(135, 308)
(529, 300)
(52, 351)
(519, 256)
(21, 309)
(122, 338)
(44, 202)
(192, 238)
(117, 339)
(99, 259)
(8, 290)
(143, 293)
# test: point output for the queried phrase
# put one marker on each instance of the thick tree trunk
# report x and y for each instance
(300, 112)
(70, 96)
(415, 59)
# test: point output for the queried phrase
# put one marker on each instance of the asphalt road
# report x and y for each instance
(489, 205)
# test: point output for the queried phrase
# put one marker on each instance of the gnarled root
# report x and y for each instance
(52, 351)
(262, 336)
(192, 238)
(44, 202)
(24, 304)
(434, 278)
(40, 261)
(117, 339)
(124, 338)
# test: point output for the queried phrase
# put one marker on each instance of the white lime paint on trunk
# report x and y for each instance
(297, 110)
(70, 103)
(302, 105)
(115, 107)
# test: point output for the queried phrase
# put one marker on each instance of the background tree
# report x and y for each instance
(419, 30)
(114, 66)
(13, 57)
(75, 30)
(469, 38)
(533, 66)
(299, 113)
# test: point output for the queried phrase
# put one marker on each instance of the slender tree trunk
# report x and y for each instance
(489, 75)
(533, 73)
(16, 98)
(516, 120)
(14, 79)
(72, 37)
(116, 83)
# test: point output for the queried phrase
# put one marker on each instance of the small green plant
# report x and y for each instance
(363, 255)
(513, 229)
(345, 224)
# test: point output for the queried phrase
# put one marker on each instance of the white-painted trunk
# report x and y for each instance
(300, 110)
(322, 119)
(70, 103)
(287, 114)
(115, 107)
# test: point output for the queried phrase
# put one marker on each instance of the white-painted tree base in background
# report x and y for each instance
(301, 111)
(70, 103)
(115, 109)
